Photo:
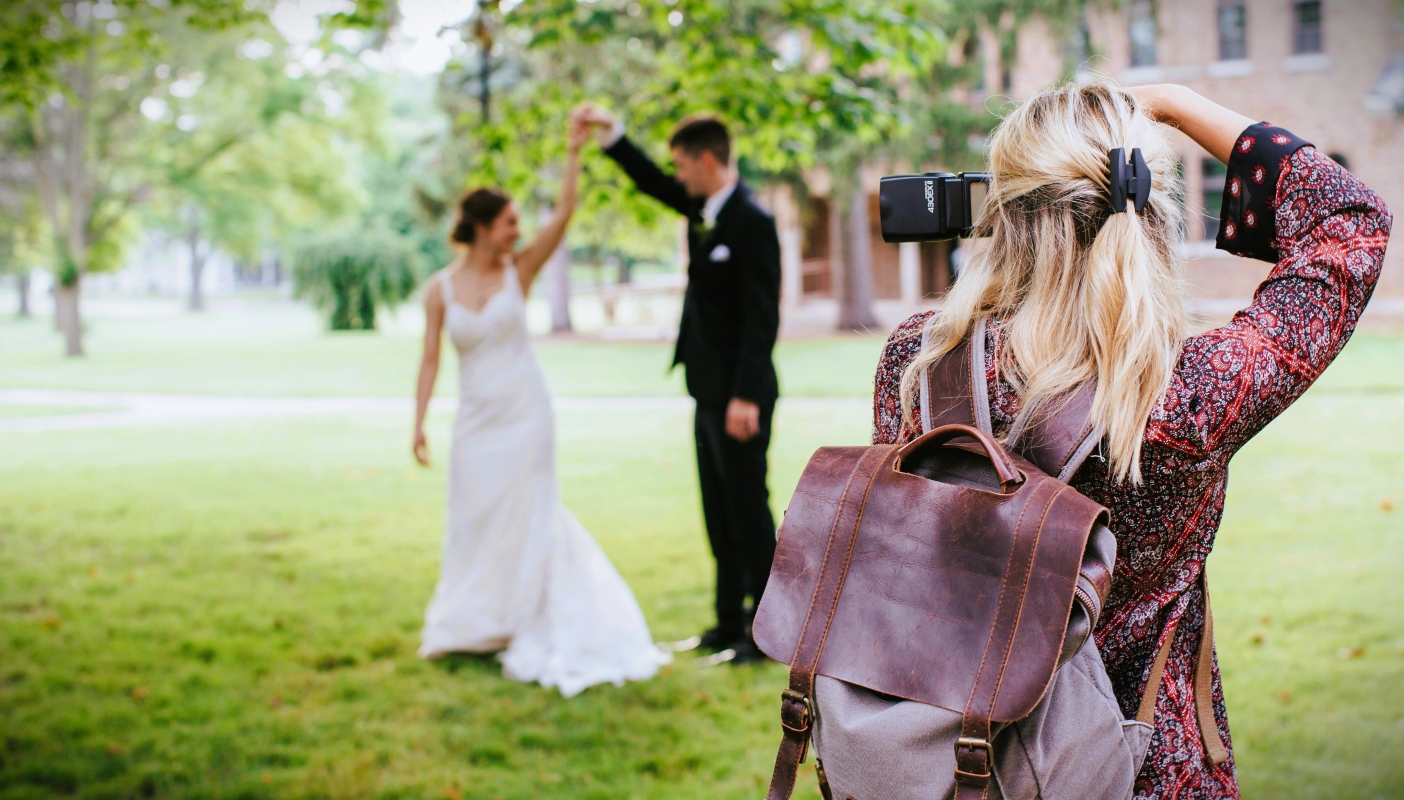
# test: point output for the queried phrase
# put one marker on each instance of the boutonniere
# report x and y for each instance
(703, 227)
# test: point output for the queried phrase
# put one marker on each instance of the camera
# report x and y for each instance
(931, 207)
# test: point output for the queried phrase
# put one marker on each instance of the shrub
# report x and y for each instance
(350, 276)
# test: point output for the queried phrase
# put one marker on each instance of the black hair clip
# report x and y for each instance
(1128, 180)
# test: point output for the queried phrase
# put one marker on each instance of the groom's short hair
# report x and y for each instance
(701, 132)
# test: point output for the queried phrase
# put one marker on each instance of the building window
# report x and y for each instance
(1233, 31)
(975, 61)
(1006, 79)
(1078, 48)
(1215, 174)
(1306, 35)
(1143, 34)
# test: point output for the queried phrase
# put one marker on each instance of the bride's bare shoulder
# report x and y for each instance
(436, 285)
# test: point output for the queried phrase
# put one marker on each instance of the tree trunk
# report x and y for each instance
(558, 289)
(856, 297)
(70, 321)
(22, 286)
(197, 268)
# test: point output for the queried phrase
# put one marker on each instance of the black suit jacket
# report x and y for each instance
(731, 310)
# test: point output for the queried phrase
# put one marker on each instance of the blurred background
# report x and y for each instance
(215, 222)
(217, 151)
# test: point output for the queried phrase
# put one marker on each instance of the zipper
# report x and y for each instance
(1088, 603)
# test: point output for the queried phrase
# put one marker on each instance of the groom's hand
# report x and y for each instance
(600, 119)
(742, 419)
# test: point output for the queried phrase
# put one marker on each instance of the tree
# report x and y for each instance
(21, 227)
(21, 243)
(243, 153)
(350, 276)
(804, 82)
(521, 146)
(87, 137)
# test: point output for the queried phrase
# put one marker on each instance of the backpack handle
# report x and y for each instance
(1008, 474)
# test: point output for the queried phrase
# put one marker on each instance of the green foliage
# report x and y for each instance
(791, 77)
(109, 253)
(40, 39)
(350, 276)
(24, 237)
(397, 155)
(245, 156)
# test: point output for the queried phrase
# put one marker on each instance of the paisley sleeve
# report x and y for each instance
(902, 346)
(1326, 231)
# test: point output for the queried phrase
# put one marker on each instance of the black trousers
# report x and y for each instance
(736, 508)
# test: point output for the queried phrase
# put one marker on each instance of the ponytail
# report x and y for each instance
(1135, 312)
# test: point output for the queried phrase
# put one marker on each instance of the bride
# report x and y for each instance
(519, 573)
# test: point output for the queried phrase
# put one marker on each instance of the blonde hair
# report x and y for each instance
(1085, 294)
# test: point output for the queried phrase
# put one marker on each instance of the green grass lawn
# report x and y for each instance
(273, 347)
(231, 610)
(21, 410)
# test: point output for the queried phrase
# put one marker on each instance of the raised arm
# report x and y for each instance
(1286, 203)
(645, 174)
(532, 257)
(428, 368)
(1209, 124)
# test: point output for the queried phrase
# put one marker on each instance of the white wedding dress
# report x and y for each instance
(520, 574)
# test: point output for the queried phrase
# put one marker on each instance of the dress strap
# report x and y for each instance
(445, 286)
(510, 274)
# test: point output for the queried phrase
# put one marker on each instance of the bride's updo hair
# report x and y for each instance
(478, 207)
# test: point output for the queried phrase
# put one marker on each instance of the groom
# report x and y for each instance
(730, 317)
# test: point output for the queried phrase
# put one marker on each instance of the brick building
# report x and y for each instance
(1332, 71)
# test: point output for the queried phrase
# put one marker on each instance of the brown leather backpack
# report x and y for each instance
(935, 603)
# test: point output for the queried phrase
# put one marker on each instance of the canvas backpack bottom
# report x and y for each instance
(1076, 743)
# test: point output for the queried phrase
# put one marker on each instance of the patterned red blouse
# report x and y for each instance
(1229, 383)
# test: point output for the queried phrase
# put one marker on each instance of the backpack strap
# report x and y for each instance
(797, 701)
(1203, 683)
(1056, 437)
(974, 749)
(950, 395)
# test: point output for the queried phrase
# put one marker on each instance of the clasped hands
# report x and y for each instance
(586, 118)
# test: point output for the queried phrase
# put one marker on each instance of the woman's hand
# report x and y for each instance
(578, 130)
(1158, 100)
(420, 448)
(1209, 124)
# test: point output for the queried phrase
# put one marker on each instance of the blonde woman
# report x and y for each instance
(1074, 292)
(520, 575)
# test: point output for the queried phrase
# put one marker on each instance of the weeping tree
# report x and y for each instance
(350, 277)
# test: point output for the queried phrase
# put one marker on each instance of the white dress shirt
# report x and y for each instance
(714, 204)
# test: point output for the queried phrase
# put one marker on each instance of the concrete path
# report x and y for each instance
(127, 409)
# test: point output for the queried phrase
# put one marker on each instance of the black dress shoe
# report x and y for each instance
(747, 652)
(717, 639)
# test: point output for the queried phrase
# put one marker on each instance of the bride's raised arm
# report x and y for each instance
(532, 257)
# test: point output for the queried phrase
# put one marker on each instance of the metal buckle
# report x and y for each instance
(975, 744)
(805, 713)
